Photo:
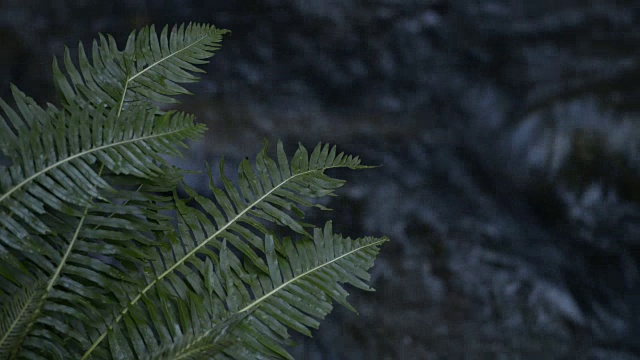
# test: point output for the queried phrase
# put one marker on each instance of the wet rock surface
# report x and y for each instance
(508, 133)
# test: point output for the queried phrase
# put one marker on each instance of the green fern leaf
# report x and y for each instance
(17, 315)
(55, 161)
(89, 206)
(295, 293)
(268, 193)
(91, 266)
(150, 68)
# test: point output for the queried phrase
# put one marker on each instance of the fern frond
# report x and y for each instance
(55, 156)
(295, 294)
(17, 316)
(19, 122)
(273, 192)
(150, 68)
(92, 260)
(300, 286)
(55, 161)
(204, 342)
(92, 264)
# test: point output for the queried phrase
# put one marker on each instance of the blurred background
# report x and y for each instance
(508, 132)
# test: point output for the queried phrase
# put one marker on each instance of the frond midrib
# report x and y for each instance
(131, 303)
(63, 261)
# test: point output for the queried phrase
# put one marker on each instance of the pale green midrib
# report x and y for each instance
(17, 319)
(126, 84)
(270, 293)
(63, 261)
(192, 252)
(80, 154)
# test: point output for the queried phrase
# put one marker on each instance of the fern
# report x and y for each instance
(100, 257)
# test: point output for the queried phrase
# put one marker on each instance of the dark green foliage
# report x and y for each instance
(101, 258)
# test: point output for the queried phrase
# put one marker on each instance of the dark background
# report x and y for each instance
(508, 133)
